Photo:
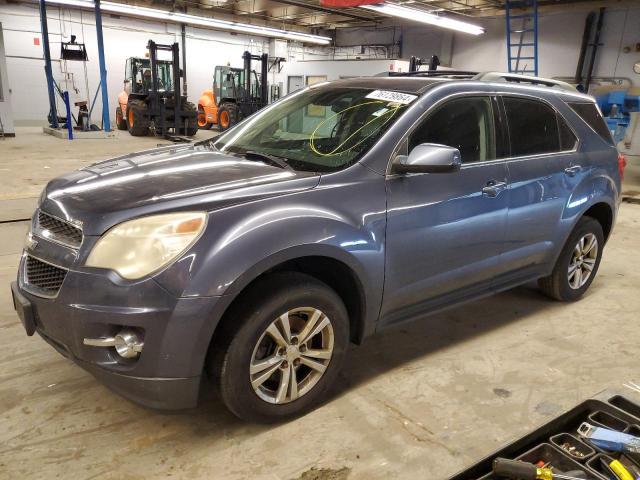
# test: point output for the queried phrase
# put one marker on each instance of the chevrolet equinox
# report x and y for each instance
(255, 258)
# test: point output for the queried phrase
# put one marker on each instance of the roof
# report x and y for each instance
(404, 84)
(419, 82)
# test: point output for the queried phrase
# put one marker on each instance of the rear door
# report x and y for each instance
(445, 230)
(542, 173)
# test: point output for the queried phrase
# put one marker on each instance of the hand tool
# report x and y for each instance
(518, 470)
(610, 440)
(621, 472)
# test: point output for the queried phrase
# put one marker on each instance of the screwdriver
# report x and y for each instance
(517, 470)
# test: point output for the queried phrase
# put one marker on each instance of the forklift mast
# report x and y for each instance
(264, 65)
(175, 94)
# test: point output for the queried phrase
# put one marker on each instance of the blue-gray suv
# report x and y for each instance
(254, 259)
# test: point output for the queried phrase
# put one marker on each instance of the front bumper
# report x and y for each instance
(176, 332)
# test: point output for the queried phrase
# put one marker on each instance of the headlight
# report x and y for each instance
(139, 247)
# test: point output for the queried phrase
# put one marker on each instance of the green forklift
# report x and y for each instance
(152, 97)
(236, 94)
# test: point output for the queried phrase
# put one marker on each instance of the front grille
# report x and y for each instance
(43, 278)
(59, 230)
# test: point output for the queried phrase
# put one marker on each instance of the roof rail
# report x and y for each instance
(515, 78)
(431, 73)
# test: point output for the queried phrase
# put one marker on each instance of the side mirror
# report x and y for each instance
(428, 158)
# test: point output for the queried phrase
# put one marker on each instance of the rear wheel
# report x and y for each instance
(577, 264)
(121, 122)
(227, 116)
(202, 119)
(283, 350)
(137, 118)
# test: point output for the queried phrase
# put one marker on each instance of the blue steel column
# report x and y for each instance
(106, 123)
(507, 16)
(47, 64)
(535, 36)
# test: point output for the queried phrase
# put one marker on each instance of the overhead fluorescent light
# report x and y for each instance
(195, 20)
(425, 17)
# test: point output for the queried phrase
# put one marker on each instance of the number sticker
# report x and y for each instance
(389, 96)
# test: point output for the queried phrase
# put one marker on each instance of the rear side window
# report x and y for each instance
(590, 114)
(533, 127)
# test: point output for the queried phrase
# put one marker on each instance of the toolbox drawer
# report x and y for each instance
(546, 443)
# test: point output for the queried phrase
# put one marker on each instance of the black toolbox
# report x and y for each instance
(545, 444)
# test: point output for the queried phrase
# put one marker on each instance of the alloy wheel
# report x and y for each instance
(291, 355)
(583, 261)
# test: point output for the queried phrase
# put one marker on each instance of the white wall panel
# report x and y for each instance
(560, 37)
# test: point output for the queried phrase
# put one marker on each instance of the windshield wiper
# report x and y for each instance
(277, 161)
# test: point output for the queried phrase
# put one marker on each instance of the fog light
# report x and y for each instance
(126, 343)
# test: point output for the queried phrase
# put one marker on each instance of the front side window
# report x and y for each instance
(464, 123)
(533, 127)
(321, 129)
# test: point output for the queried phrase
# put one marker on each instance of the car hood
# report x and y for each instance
(186, 177)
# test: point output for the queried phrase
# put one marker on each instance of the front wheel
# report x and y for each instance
(227, 116)
(137, 118)
(191, 120)
(577, 264)
(283, 349)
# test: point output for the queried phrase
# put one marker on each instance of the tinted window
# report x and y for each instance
(590, 114)
(463, 123)
(567, 139)
(533, 128)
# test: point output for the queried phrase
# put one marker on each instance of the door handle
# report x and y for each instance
(571, 171)
(493, 188)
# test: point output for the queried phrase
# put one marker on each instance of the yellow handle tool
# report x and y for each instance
(621, 472)
(526, 471)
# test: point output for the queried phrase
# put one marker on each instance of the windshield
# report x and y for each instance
(139, 73)
(322, 129)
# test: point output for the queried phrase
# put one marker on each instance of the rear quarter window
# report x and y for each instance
(591, 115)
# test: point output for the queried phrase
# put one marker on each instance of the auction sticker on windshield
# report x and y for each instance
(389, 96)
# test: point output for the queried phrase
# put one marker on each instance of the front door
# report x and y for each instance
(445, 230)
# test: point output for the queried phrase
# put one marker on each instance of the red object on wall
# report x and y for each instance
(348, 3)
(36, 41)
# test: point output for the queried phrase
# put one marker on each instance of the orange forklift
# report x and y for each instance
(236, 94)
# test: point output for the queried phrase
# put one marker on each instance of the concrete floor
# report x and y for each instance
(421, 401)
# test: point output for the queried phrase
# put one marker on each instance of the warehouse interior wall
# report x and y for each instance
(559, 40)
(123, 38)
(6, 112)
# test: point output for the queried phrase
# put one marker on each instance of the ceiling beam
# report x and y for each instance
(318, 8)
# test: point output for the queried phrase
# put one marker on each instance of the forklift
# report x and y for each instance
(152, 98)
(236, 94)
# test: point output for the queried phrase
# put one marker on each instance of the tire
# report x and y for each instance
(565, 286)
(121, 122)
(227, 116)
(137, 118)
(192, 122)
(202, 119)
(244, 340)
